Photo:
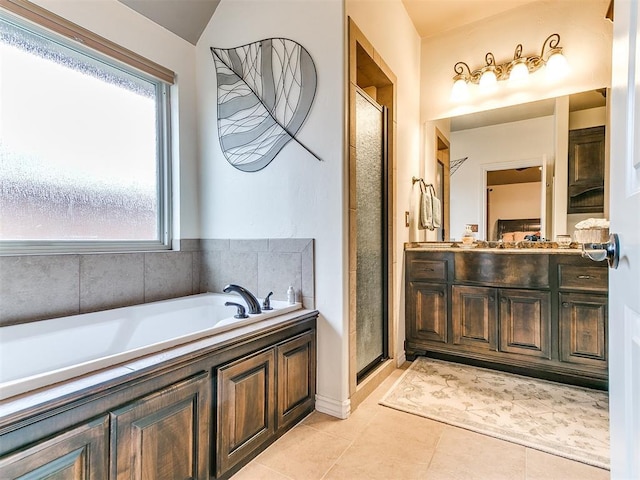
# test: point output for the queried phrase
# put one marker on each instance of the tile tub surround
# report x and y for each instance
(261, 265)
(37, 287)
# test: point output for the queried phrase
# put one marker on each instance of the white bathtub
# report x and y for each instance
(37, 354)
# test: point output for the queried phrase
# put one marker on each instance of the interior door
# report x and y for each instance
(624, 283)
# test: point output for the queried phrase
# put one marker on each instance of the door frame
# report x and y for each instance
(367, 70)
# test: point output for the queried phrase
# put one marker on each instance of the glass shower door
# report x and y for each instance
(371, 213)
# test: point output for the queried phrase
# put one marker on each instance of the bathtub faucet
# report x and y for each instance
(252, 301)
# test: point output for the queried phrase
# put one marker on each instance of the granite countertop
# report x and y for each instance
(511, 247)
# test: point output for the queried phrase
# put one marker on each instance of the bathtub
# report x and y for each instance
(38, 354)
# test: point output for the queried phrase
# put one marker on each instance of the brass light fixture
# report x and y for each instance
(516, 70)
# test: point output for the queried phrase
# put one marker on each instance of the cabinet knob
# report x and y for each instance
(491, 299)
(503, 300)
(441, 294)
(565, 304)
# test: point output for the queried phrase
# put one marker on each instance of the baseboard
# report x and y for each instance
(333, 407)
(402, 357)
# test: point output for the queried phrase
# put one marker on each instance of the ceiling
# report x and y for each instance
(187, 19)
(432, 17)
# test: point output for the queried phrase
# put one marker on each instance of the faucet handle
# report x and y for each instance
(242, 313)
(266, 303)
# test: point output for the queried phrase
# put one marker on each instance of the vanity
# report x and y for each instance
(534, 311)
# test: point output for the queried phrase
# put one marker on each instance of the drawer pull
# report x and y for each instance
(565, 304)
(429, 270)
(503, 300)
(584, 277)
(491, 299)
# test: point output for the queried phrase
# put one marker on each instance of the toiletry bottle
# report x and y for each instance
(291, 295)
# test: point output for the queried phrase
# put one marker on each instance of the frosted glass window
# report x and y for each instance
(81, 146)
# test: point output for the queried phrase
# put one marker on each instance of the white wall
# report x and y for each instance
(296, 195)
(122, 25)
(586, 37)
(390, 30)
(509, 142)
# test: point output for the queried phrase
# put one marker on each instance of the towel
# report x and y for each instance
(430, 208)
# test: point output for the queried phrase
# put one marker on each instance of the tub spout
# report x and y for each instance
(252, 301)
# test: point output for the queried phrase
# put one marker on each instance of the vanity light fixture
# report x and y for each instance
(516, 70)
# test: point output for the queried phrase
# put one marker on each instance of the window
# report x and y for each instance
(83, 146)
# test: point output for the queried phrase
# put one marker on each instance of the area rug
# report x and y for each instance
(563, 420)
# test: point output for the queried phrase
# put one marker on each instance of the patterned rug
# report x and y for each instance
(563, 420)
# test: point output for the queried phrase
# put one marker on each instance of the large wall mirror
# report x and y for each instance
(538, 166)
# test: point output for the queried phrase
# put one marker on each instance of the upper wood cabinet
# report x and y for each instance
(586, 170)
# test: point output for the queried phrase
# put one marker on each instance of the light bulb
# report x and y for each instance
(519, 73)
(557, 66)
(488, 81)
(460, 90)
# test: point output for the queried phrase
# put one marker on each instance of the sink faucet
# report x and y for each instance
(252, 302)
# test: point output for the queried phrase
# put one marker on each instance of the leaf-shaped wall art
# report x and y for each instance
(265, 92)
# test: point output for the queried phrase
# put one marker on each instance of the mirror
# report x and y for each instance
(511, 166)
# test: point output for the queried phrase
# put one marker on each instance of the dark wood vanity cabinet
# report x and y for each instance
(542, 314)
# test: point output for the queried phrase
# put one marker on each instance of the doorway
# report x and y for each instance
(370, 173)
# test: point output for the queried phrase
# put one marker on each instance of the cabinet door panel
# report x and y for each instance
(163, 436)
(525, 323)
(427, 312)
(78, 454)
(583, 324)
(296, 378)
(474, 317)
(246, 406)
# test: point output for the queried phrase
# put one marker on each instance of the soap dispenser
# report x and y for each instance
(291, 295)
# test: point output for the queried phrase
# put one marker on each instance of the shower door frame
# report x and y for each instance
(384, 226)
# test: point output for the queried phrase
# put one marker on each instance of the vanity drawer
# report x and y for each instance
(583, 278)
(434, 270)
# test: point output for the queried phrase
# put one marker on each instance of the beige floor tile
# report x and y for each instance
(255, 471)
(363, 463)
(303, 453)
(543, 466)
(466, 455)
(349, 428)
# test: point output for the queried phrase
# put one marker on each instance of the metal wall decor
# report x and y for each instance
(456, 164)
(265, 92)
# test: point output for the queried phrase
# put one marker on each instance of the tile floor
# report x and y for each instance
(377, 442)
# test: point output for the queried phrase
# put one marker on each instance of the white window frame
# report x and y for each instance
(34, 18)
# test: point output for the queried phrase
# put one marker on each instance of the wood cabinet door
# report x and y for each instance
(165, 435)
(525, 323)
(474, 314)
(586, 170)
(245, 408)
(296, 378)
(583, 329)
(426, 316)
(81, 453)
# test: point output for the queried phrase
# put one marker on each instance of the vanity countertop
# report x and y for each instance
(549, 248)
